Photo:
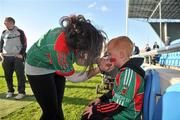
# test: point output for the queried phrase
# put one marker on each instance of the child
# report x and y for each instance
(125, 101)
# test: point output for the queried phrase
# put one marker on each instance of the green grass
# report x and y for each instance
(76, 98)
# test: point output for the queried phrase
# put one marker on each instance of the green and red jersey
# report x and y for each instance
(51, 52)
(126, 99)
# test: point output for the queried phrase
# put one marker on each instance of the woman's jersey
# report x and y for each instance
(51, 52)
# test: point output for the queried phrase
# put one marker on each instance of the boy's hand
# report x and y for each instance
(94, 102)
(88, 111)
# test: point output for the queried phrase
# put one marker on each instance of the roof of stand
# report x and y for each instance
(170, 9)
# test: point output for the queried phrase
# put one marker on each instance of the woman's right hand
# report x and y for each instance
(105, 64)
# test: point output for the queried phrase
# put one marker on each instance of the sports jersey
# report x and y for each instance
(125, 101)
(51, 52)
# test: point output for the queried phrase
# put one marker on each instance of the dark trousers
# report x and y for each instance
(95, 117)
(11, 64)
(48, 90)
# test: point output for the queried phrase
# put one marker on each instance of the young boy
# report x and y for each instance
(125, 101)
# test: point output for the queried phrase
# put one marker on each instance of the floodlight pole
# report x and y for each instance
(127, 10)
(160, 25)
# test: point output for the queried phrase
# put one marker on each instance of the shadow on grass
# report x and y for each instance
(75, 86)
(75, 100)
(26, 98)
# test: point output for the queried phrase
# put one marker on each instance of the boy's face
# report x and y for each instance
(113, 56)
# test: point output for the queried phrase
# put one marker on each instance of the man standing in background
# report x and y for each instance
(155, 46)
(12, 50)
(136, 49)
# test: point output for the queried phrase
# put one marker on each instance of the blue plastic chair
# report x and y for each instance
(147, 91)
(155, 91)
(152, 89)
(168, 107)
(173, 88)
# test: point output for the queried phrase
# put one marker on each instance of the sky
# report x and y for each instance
(36, 17)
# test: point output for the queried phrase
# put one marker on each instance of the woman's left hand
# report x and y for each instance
(105, 65)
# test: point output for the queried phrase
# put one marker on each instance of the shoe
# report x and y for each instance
(19, 96)
(9, 94)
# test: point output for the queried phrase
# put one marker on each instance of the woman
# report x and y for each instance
(50, 61)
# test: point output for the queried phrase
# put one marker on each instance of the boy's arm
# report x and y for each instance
(106, 96)
(107, 109)
(23, 42)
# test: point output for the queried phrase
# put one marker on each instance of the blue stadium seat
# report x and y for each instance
(161, 60)
(177, 57)
(155, 91)
(147, 91)
(173, 88)
(152, 90)
(168, 107)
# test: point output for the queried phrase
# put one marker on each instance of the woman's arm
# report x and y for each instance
(103, 65)
(83, 76)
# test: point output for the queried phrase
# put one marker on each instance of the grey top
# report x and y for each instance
(32, 70)
(13, 42)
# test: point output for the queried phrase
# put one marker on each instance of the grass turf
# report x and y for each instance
(76, 98)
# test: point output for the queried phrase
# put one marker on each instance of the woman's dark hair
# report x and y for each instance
(82, 36)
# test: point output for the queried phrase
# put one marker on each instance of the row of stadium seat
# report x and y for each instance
(170, 59)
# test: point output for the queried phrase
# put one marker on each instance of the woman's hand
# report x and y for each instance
(105, 65)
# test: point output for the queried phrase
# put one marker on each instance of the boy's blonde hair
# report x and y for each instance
(122, 43)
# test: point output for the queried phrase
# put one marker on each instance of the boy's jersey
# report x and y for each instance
(52, 52)
(125, 101)
(128, 92)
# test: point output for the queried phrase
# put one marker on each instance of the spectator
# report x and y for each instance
(155, 58)
(147, 48)
(136, 50)
(155, 46)
(50, 61)
(125, 101)
(12, 51)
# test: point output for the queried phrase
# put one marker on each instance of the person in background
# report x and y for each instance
(148, 58)
(155, 46)
(12, 51)
(136, 50)
(49, 62)
(147, 48)
(125, 101)
(155, 58)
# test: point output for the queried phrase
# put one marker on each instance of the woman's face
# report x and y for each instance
(82, 59)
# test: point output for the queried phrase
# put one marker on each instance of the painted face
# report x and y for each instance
(113, 55)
